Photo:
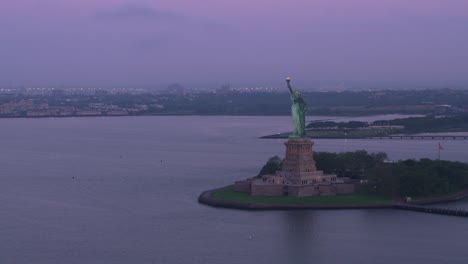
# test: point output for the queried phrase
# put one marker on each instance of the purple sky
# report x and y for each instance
(211, 42)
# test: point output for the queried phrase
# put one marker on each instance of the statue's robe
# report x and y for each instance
(298, 110)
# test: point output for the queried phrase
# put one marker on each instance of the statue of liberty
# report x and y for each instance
(298, 111)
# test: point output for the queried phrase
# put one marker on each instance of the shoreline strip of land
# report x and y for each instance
(207, 198)
(401, 137)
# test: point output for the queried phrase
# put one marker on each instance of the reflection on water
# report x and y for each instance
(299, 235)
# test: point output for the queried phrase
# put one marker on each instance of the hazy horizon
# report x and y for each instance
(205, 44)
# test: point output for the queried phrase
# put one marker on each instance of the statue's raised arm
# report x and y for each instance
(288, 81)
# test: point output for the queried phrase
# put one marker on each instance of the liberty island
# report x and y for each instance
(296, 182)
(298, 176)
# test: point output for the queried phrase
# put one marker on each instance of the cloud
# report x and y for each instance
(148, 15)
(151, 27)
(139, 12)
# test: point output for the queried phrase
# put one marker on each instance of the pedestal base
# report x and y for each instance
(298, 177)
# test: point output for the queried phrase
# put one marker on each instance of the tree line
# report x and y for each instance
(415, 178)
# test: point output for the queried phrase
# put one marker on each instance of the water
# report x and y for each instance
(124, 190)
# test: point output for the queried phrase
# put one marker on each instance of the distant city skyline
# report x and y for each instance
(205, 44)
(279, 85)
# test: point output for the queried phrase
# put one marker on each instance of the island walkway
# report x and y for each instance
(422, 137)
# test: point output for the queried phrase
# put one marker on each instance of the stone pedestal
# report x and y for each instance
(299, 158)
(299, 164)
(298, 177)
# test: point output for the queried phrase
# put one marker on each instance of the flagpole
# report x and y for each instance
(438, 149)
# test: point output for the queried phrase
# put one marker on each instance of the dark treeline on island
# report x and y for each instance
(430, 123)
(417, 178)
(414, 178)
(186, 102)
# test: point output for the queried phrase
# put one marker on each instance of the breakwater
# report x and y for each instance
(432, 210)
(422, 137)
(418, 205)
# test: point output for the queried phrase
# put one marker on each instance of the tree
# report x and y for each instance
(348, 164)
(417, 178)
(272, 165)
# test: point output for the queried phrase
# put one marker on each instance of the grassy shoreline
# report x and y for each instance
(228, 194)
(226, 197)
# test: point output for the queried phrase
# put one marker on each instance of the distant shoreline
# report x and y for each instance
(165, 114)
(207, 114)
(438, 136)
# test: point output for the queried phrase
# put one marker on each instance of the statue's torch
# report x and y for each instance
(288, 80)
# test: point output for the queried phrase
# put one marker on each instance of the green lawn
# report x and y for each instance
(230, 195)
